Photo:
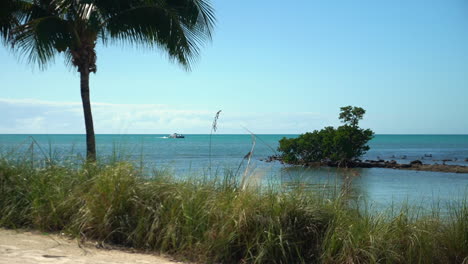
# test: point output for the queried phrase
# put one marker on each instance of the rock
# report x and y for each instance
(272, 158)
(416, 162)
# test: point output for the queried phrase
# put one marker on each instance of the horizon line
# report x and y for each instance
(380, 134)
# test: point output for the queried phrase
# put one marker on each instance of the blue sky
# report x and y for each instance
(272, 67)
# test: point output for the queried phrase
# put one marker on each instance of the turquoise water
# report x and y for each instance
(192, 155)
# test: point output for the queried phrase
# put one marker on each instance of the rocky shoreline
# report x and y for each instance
(392, 164)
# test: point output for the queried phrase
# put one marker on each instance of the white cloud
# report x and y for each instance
(30, 116)
(33, 123)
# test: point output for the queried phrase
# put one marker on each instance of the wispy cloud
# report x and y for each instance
(38, 116)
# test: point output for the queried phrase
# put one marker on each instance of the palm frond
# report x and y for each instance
(195, 13)
(40, 39)
(151, 26)
(11, 15)
(38, 29)
(180, 27)
(7, 20)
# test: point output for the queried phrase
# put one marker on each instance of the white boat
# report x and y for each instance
(175, 135)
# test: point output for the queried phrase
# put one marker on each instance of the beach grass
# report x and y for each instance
(215, 220)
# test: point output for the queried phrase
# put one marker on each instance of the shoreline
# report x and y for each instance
(416, 165)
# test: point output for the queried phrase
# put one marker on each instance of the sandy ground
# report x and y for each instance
(34, 247)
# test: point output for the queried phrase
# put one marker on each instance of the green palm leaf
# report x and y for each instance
(41, 39)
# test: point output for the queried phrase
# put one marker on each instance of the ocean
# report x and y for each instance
(195, 154)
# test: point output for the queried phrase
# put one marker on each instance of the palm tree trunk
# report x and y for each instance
(88, 116)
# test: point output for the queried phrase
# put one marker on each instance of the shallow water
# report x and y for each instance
(383, 187)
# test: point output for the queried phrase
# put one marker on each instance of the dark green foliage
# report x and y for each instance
(351, 115)
(350, 143)
(339, 146)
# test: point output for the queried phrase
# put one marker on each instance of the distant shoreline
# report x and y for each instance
(203, 134)
(416, 165)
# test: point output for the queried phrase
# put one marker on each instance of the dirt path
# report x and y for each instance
(33, 247)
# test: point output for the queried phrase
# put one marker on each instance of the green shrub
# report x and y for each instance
(337, 146)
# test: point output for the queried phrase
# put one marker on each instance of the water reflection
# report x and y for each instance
(378, 187)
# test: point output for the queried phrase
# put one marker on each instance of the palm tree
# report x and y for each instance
(42, 29)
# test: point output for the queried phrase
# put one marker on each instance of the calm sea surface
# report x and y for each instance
(191, 155)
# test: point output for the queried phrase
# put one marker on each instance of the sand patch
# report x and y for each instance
(33, 247)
